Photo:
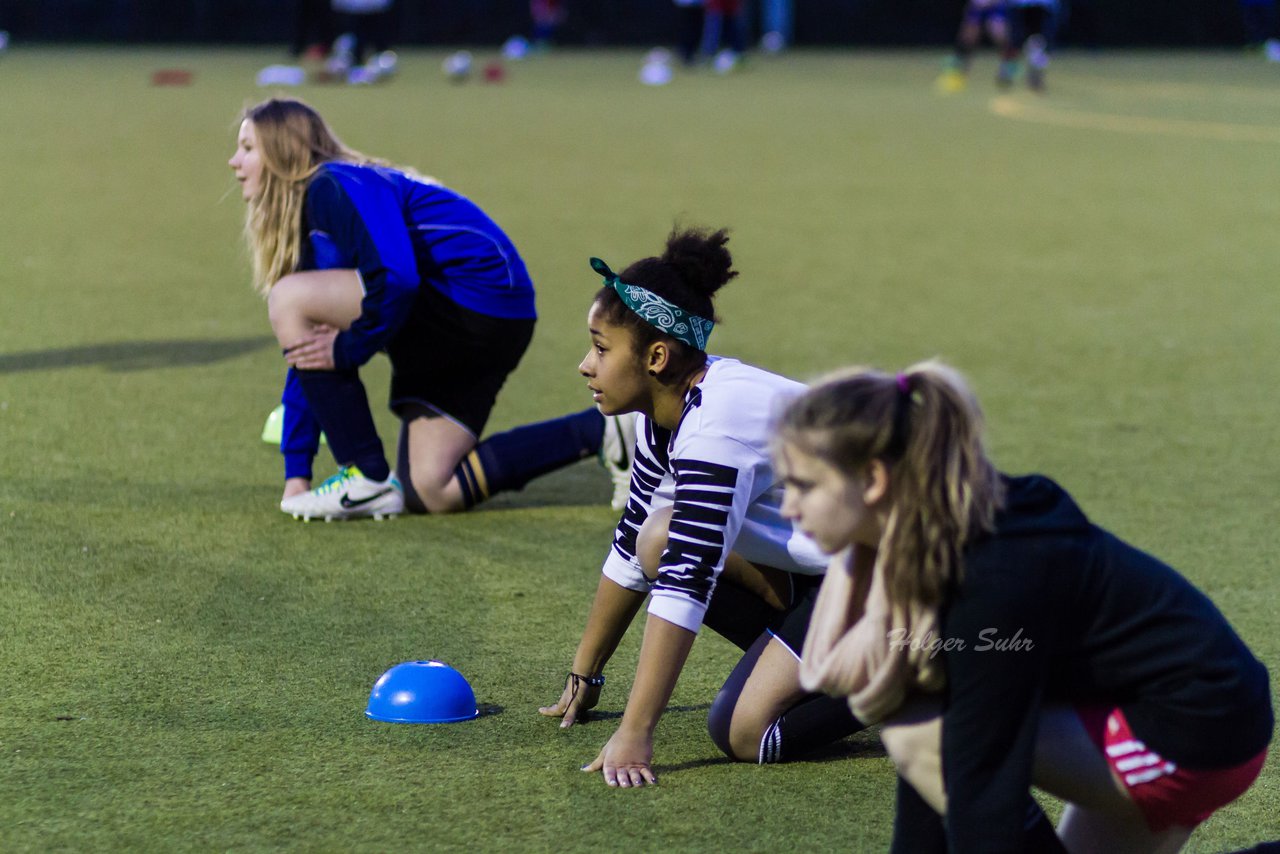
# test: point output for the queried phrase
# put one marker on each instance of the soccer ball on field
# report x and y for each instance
(457, 66)
(656, 70)
(515, 48)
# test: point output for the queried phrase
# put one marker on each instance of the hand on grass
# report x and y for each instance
(315, 352)
(625, 761)
(573, 706)
(296, 486)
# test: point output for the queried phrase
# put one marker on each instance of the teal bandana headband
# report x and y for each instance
(665, 316)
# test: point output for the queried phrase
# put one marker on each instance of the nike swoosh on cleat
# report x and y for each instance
(349, 504)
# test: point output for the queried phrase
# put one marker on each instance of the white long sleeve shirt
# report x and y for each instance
(717, 471)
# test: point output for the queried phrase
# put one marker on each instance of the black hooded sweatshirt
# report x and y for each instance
(1053, 609)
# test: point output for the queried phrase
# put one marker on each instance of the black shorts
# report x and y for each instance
(452, 360)
(793, 626)
(741, 618)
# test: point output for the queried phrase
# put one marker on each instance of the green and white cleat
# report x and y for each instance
(347, 495)
(617, 451)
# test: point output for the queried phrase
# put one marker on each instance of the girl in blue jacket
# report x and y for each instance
(356, 257)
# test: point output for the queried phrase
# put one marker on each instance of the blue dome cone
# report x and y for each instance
(422, 692)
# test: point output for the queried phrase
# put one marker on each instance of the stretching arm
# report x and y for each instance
(611, 614)
(626, 759)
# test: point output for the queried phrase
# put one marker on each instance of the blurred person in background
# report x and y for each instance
(1259, 18)
(989, 17)
(776, 25)
(724, 21)
(313, 30)
(363, 52)
(689, 18)
(548, 16)
(1035, 28)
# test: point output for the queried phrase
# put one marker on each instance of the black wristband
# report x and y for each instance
(593, 681)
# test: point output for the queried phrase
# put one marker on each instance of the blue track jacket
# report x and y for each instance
(400, 234)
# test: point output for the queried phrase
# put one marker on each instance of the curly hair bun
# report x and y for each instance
(701, 259)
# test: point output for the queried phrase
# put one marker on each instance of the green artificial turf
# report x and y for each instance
(185, 669)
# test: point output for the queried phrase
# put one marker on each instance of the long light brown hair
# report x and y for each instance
(293, 142)
(926, 426)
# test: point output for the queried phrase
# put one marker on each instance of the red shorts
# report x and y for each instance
(1166, 794)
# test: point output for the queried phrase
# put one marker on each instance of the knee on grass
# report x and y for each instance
(737, 739)
(424, 493)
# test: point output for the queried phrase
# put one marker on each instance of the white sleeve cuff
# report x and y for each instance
(678, 609)
(624, 573)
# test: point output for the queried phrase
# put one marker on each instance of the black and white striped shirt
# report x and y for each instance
(717, 471)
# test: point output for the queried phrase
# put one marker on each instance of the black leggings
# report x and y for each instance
(749, 623)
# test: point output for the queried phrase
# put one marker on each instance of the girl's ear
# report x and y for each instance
(657, 358)
(877, 482)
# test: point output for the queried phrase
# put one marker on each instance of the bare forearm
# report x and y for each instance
(627, 758)
(662, 656)
(611, 613)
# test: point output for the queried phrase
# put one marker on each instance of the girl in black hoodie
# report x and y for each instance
(1048, 651)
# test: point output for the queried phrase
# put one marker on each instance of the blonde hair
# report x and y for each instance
(926, 426)
(293, 143)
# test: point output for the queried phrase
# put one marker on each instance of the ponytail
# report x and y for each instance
(926, 427)
(944, 491)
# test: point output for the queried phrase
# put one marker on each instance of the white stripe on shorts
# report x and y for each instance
(1120, 748)
(1150, 774)
(1142, 760)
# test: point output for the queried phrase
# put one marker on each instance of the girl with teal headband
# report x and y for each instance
(702, 535)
